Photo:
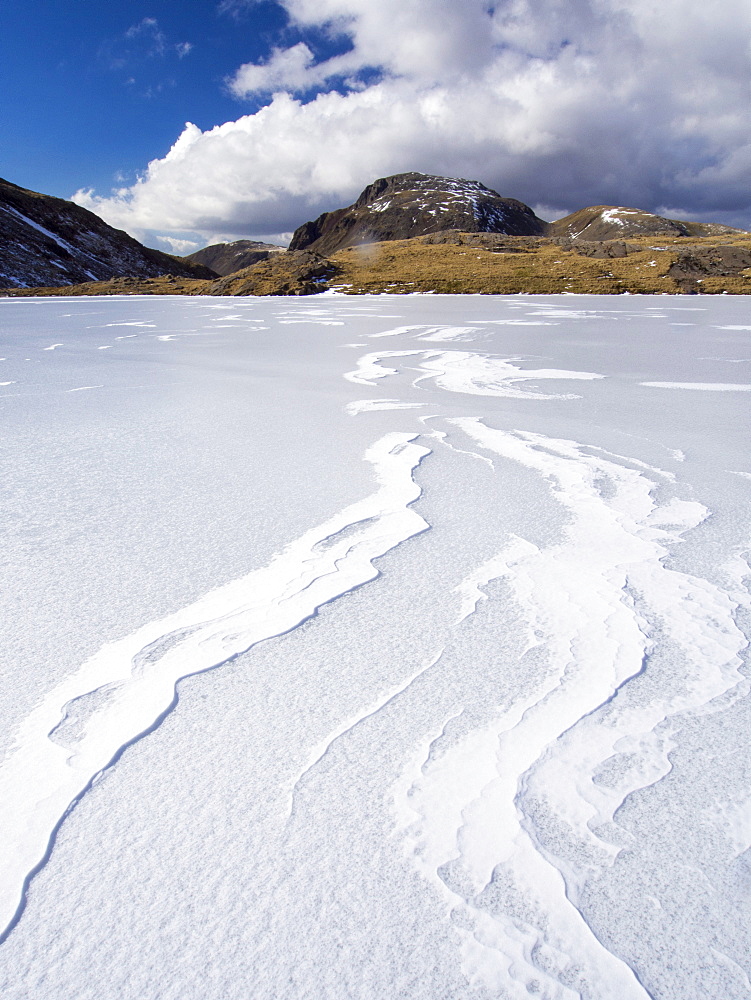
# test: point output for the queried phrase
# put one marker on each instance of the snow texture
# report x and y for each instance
(334, 671)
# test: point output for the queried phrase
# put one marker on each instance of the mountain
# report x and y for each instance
(227, 258)
(49, 241)
(613, 222)
(407, 233)
(408, 205)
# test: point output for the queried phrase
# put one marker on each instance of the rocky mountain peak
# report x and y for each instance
(227, 258)
(413, 204)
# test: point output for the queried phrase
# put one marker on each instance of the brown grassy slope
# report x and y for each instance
(474, 263)
(536, 266)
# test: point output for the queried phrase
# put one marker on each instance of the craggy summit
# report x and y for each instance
(407, 205)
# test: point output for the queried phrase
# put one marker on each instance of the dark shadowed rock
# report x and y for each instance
(226, 258)
(699, 262)
(50, 241)
(413, 204)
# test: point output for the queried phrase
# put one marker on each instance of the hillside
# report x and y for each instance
(613, 222)
(407, 205)
(226, 258)
(474, 263)
(50, 241)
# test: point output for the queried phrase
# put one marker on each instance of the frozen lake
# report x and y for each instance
(375, 647)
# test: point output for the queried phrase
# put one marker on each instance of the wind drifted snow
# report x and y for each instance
(340, 671)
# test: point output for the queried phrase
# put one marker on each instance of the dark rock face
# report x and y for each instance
(603, 249)
(699, 262)
(610, 222)
(409, 205)
(49, 241)
(226, 258)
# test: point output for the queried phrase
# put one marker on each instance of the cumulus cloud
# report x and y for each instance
(286, 69)
(177, 246)
(562, 104)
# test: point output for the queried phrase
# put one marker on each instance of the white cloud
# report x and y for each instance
(179, 247)
(587, 102)
(286, 69)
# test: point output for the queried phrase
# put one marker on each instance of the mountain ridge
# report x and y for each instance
(607, 222)
(226, 258)
(44, 239)
(406, 232)
(415, 204)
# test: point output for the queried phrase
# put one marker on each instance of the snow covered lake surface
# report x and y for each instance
(375, 647)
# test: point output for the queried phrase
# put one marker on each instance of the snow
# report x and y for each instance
(614, 215)
(75, 251)
(451, 195)
(40, 229)
(339, 672)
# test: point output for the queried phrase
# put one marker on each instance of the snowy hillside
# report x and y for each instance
(50, 241)
(375, 647)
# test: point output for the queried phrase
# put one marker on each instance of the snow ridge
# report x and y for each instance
(529, 800)
(125, 690)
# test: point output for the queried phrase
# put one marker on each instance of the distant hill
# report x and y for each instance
(407, 205)
(50, 241)
(226, 258)
(613, 222)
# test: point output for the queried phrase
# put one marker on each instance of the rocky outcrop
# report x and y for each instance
(612, 222)
(226, 258)
(715, 260)
(602, 249)
(494, 242)
(297, 272)
(698, 262)
(413, 204)
(50, 241)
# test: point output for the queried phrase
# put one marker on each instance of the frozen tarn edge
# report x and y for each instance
(125, 690)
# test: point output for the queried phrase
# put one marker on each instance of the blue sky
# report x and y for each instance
(92, 91)
(293, 106)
